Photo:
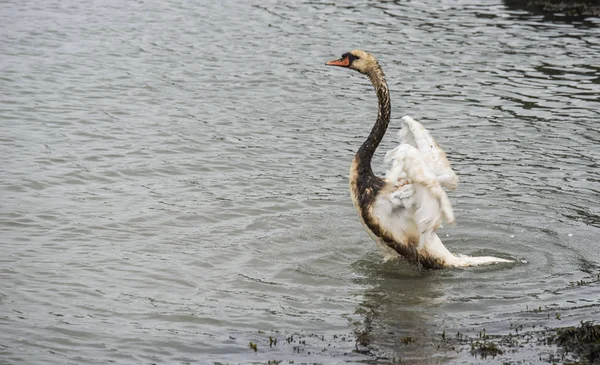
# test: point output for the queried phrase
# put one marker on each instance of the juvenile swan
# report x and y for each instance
(402, 211)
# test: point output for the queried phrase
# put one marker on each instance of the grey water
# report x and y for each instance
(173, 178)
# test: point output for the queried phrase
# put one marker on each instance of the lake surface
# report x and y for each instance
(174, 179)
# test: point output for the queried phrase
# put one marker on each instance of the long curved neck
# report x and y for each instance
(366, 151)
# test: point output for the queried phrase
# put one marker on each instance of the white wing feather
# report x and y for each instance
(413, 203)
(420, 160)
(414, 134)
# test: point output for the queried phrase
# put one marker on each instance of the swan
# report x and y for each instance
(402, 211)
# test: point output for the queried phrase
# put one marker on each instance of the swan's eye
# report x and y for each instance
(350, 56)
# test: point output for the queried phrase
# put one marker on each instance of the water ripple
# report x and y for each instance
(174, 177)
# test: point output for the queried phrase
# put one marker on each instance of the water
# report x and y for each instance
(174, 178)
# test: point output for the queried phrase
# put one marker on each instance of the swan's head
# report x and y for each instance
(358, 60)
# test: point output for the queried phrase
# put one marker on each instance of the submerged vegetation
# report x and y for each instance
(538, 334)
(567, 7)
(485, 349)
(583, 340)
(574, 345)
(564, 345)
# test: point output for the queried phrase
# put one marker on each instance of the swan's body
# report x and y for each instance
(403, 211)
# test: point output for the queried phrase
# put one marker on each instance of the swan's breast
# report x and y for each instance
(393, 232)
(365, 191)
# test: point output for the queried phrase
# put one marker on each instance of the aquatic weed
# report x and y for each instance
(485, 349)
(253, 346)
(407, 340)
(583, 340)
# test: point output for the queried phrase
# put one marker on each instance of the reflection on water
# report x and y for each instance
(174, 178)
(398, 310)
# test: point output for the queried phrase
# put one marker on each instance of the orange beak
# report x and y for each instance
(342, 62)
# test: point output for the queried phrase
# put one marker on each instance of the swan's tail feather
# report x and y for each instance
(466, 261)
(431, 246)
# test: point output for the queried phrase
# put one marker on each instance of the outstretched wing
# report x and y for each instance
(413, 204)
(414, 134)
(418, 171)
